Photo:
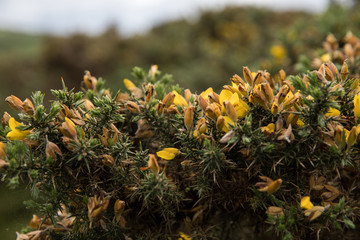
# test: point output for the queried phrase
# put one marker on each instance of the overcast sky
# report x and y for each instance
(131, 16)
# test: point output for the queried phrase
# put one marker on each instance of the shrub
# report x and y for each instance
(160, 162)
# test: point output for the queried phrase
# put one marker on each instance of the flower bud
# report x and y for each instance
(248, 76)
(5, 119)
(153, 164)
(149, 92)
(187, 94)
(90, 81)
(68, 129)
(231, 111)
(201, 126)
(354, 84)
(189, 117)
(202, 102)
(220, 123)
(35, 222)
(153, 70)
(282, 75)
(214, 97)
(344, 72)
(132, 107)
(274, 108)
(88, 105)
(108, 160)
(51, 150)
(351, 139)
(213, 111)
(339, 136)
(15, 103)
(119, 207)
(169, 99)
(28, 107)
(160, 108)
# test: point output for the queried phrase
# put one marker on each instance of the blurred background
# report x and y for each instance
(201, 43)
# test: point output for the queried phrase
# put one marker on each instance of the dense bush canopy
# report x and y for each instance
(160, 162)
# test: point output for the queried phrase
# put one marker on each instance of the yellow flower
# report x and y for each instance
(240, 106)
(312, 212)
(270, 128)
(278, 52)
(333, 112)
(15, 133)
(306, 203)
(357, 105)
(224, 95)
(205, 94)
(179, 100)
(168, 153)
(183, 236)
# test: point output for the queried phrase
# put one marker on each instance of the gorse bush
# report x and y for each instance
(160, 162)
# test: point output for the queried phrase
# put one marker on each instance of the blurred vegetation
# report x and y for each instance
(199, 54)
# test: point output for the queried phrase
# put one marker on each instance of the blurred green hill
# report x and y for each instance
(199, 53)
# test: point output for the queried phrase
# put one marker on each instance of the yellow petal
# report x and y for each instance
(333, 112)
(13, 123)
(129, 84)
(224, 95)
(165, 155)
(274, 186)
(17, 134)
(205, 94)
(179, 100)
(227, 121)
(240, 106)
(305, 203)
(357, 105)
(270, 128)
(172, 150)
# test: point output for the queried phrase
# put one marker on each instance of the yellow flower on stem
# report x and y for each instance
(15, 133)
(168, 153)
